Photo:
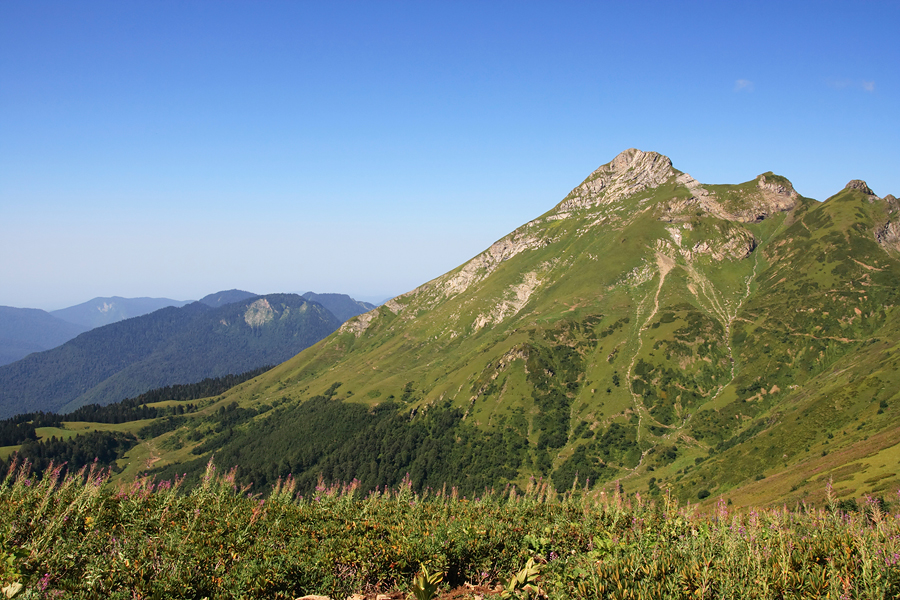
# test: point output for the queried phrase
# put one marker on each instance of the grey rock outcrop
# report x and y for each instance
(888, 235)
(737, 246)
(770, 197)
(358, 325)
(859, 184)
(629, 173)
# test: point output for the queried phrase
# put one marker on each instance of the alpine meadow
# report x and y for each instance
(592, 407)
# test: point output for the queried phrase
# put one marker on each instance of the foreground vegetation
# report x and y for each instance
(77, 535)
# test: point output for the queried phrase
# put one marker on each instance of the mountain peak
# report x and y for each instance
(226, 297)
(859, 184)
(629, 173)
(638, 159)
(775, 184)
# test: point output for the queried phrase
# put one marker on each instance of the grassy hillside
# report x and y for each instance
(649, 333)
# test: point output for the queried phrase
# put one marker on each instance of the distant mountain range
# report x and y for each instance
(27, 330)
(103, 311)
(214, 337)
(227, 297)
(341, 305)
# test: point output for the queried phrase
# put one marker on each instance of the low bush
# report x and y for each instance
(77, 535)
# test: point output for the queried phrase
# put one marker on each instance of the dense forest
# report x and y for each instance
(106, 448)
(102, 448)
(344, 441)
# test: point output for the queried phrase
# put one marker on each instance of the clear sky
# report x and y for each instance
(173, 149)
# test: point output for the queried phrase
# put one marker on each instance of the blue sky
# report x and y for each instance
(175, 149)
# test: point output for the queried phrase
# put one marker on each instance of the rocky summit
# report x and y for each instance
(649, 332)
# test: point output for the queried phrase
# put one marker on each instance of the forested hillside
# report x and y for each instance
(27, 330)
(167, 347)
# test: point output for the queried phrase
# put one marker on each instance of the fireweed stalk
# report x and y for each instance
(77, 535)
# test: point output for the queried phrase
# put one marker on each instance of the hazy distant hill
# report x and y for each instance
(169, 346)
(27, 330)
(341, 305)
(227, 297)
(103, 311)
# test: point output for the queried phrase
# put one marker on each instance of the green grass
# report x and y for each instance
(809, 319)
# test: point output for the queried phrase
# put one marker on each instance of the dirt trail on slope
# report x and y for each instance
(665, 264)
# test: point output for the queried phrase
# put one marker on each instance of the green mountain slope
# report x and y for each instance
(168, 346)
(649, 331)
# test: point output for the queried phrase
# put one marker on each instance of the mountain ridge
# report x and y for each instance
(665, 332)
(106, 310)
(648, 332)
(169, 346)
(27, 330)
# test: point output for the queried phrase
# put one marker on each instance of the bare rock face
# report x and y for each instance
(629, 173)
(771, 196)
(776, 197)
(737, 246)
(892, 203)
(888, 235)
(859, 184)
(357, 325)
(487, 262)
(259, 313)
(731, 244)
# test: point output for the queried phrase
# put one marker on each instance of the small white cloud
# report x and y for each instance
(743, 85)
(853, 84)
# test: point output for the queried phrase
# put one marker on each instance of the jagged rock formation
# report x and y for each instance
(768, 197)
(487, 262)
(888, 235)
(732, 244)
(629, 173)
(359, 324)
(859, 184)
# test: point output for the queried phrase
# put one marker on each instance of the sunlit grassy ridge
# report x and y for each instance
(726, 340)
(646, 339)
(78, 536)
